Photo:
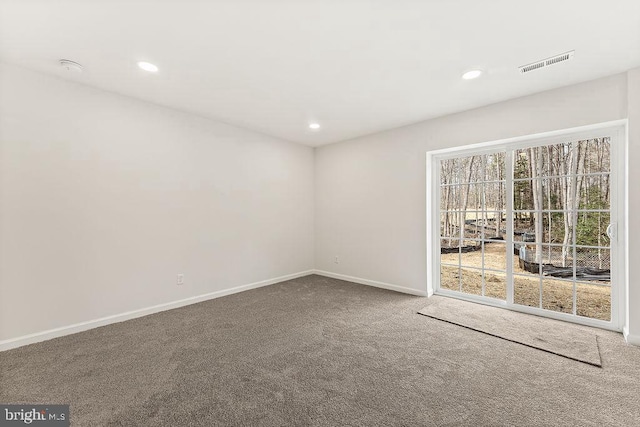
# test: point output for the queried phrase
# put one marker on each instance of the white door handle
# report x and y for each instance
(611, 231)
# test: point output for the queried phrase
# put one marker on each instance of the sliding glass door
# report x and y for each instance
(531, 224)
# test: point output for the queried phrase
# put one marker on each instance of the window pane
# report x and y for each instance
(450, 251)
(471, 255)
(557, 295)
(494, 165)
(521, 167)
(593, 300)
(523, 195)
(597, 155)
(495, 285)
(529, 259)
(473, 225)
(449, 278)
(526, 290)
(552, 191)
(474, 198)
(494, 225)
(449, 227)
(554, 227)
(591, 228)
(557, 159)
(593, 264)
(557, 261)
(449, 171)
(470, 169)
(494, 196)
(495, 256)
(471, 281)
(594, 192)
(451, 197)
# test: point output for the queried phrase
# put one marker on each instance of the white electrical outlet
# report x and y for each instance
(180, 279)
(337, 260)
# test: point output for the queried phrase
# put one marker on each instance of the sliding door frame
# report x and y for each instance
(617, 131)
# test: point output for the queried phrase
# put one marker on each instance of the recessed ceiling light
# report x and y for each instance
(314, 126)
(472, 74)
(148, 67)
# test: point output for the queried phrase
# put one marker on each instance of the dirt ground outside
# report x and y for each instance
(592, 299)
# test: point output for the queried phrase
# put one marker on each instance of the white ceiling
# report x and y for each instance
(356, 67)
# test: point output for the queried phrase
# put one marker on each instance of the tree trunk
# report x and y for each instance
(465, 200)
(535, 165)
(570, 200)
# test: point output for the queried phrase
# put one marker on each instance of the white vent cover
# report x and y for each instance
(547, 62)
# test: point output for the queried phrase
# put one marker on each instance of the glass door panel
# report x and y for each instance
(473, 225)
(562, 210)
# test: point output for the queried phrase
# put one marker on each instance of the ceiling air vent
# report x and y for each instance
(547, 62)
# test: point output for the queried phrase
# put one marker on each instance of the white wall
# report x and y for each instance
(633, 314)
(104, 199)
(370, 192)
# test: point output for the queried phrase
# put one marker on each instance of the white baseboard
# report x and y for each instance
(374, 283)
(116, 318)
(629, 338)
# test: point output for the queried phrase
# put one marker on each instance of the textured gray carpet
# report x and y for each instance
(560, 338)
(317, 351)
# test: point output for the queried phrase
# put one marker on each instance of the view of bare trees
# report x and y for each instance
(561, 192)
(560, 213)
(473, 194)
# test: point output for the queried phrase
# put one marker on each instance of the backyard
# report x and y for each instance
(593, 299)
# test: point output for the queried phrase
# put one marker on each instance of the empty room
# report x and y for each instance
(319, 213)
